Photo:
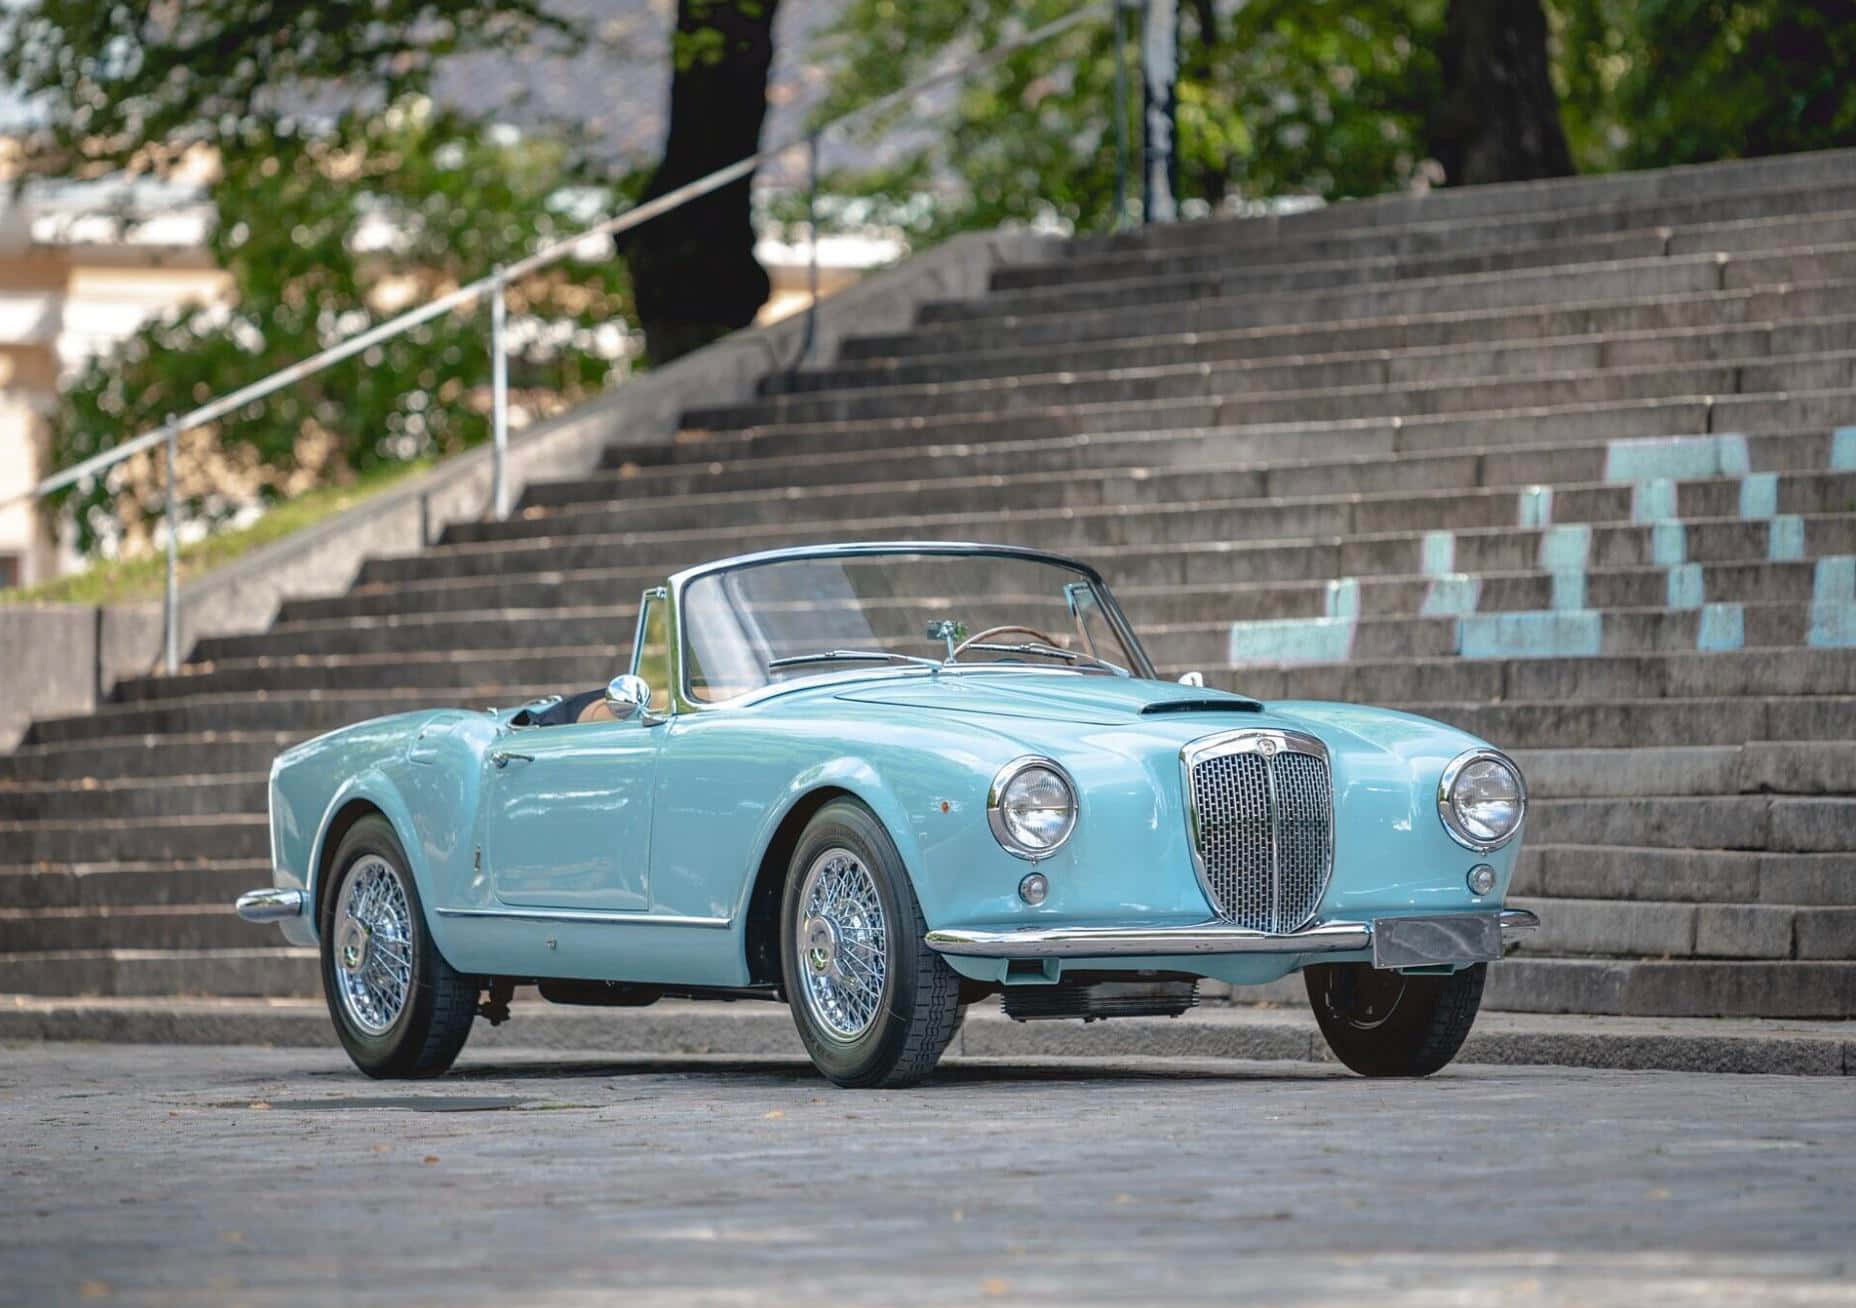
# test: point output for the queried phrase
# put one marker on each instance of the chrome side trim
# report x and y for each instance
(1202, 938)
(591, 917)
(271, 905)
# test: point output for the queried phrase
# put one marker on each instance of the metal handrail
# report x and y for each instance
(494, 284)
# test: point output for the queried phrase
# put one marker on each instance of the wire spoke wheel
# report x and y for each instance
(373, 946)
(842, 944)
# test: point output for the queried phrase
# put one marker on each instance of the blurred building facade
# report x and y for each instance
(81, 267)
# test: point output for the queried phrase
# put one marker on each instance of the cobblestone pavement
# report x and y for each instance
(227, 1176)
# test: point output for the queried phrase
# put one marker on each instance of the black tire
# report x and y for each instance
(1383, 1023)
(435, 1019)
(920, 1004)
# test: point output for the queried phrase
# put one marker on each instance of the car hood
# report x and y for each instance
(1064, 697)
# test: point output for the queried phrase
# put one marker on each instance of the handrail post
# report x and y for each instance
(499, 398)
(805, 353)
(170, 607)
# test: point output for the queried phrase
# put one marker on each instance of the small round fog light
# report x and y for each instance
(1033, 889)
(1481, 879)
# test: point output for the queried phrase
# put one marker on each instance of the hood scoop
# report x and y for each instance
(1222, 704)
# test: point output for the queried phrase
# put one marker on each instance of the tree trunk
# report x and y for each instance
(1499, 120)
(693, 270)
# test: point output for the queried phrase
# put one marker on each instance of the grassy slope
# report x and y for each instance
(127, 580)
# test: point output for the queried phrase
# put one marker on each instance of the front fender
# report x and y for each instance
(376, 789)
(858, 777)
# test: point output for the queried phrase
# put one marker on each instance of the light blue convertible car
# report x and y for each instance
(880, 782)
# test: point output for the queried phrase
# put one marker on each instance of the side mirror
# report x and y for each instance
(1192, 678)
(628, 697)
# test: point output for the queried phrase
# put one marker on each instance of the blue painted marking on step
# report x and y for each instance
(1759, 495)
(1439, 553)
(1536, 508)
(1785, 538)
(1685, 586)
(1722, 627)
(1653, 501)
(1833, 603)
(1537, 634)
(1568, 589)
(1292, 640)
(1343, 598)
(1451, 596)
(1668, 543)
(1566, 547)
(1843, 449)
(1680, 457)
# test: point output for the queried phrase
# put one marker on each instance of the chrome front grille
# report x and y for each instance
(1260, 805)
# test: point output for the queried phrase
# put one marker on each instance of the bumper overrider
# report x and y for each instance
(1431, 941)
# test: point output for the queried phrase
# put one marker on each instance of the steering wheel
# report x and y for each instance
(1000, 631)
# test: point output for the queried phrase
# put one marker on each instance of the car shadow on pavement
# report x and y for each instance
(955, 1071)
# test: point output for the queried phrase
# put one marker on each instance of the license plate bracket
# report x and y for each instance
(1431, 941)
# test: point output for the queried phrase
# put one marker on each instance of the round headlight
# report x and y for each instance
(1481, 799)
(1031, 807)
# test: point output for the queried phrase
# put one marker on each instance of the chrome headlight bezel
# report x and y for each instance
(1446, 799)
(995, 802)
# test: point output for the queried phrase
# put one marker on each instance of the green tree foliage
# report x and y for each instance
(1280, 97)
(326, 224)
(1714, 79)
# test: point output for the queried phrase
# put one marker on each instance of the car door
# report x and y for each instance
(567, 816)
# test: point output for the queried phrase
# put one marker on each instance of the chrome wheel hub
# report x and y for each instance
(373, 946)
(843, 945)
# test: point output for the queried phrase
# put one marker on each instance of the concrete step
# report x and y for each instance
(1739, 189)
(1813, 824)
(440, 676)
(1796, 1048)
(408, 615)
(1636, 276)
(1818, 217)
(1651, 929)
(418, 622)
(1730, 675)
(1784, 767)
(1546, 633)
(1186, 561)
(1070, 528)
(1676, 296)
(203, 753)
(177, 795)
(567, 625)
(1774, 320)
(1100, 470)
(308, 712)
(92, 928)
(129, 885)
(1319, 391)
(1580, 409)
(1694, 876)
(257, 971)
(1673, 988)
(1708, 721)
(190, 838)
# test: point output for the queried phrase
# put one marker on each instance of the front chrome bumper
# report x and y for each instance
(1440, 946)
(270, 905)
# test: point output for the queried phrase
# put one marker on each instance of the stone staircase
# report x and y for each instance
(1572, 465)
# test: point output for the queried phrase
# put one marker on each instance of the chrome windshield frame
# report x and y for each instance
(683, 701)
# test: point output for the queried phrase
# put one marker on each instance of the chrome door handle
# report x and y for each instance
(503, 758)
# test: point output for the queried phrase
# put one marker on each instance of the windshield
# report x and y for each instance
(749, 627)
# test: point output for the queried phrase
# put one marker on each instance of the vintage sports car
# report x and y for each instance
(879, 782)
